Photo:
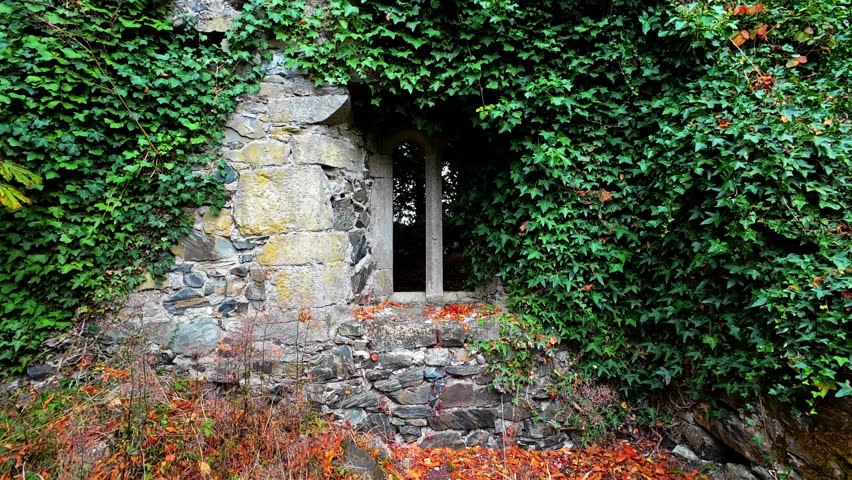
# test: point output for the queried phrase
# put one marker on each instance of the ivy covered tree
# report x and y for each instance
(678, 209)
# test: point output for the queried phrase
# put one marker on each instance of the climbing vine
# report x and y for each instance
(678, 209)
(112, 105)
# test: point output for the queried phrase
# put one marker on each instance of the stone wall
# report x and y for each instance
(292, 241)
(412, 378)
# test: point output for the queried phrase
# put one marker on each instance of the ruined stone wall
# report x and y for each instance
(264, 290)
(413, 378)
(292, 241)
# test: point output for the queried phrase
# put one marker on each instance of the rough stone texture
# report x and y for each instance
(220, 224)
(300, 249)
(196, 338)
(206, 15)
(402, 379)
(463, 370)
(312, 285)
(457, 395)
(451, 334)
(282, 200)
(316, 149)
(325, 109)
(436, 357)
(467, 419)
(816, 446)
(390, 335)
(452, 440)
(399, 359)
(262, 153)
(358, 461)
(411, 396)
(413, 411)
(699, 440)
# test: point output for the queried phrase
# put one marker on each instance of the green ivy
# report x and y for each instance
(678, 210)
(113, 106)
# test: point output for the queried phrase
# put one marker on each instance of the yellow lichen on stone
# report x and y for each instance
(300, 249)
(150, 284)
(263, 153)
(220, 224)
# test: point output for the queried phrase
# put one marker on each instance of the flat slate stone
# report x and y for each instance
(469, 419)
(413, 411)
(398, 359)
(451, 440)
(39, 372)
(183, 299)
(357, 400)
(451, 334)
(404, 379)
(359, 461)
(411, 396)
(463, 370)
(377, 375)
(196, 247)
(458, 395)
(390, 335)
(196, 338)
(434, 373)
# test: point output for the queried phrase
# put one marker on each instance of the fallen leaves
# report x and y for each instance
(617, 461)
(368, 313)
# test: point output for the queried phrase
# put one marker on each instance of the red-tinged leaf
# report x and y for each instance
(761, 30)
(802, 59)
(746, 35)
(739, 10)
(738, 40)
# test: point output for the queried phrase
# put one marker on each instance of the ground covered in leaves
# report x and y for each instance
(99, 422)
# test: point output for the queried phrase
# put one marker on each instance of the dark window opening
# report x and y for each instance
(409, 218)
(456, 264)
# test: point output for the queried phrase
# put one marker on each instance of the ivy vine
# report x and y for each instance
(113, 106)
(678, 209)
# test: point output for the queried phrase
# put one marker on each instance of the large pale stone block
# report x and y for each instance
(262, 153)
(282, 200)
(300, 249)
(248, 127)
(324, 109)
(312, 285)
(312, 148)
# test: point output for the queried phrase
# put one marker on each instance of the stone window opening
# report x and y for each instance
(411, 163)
